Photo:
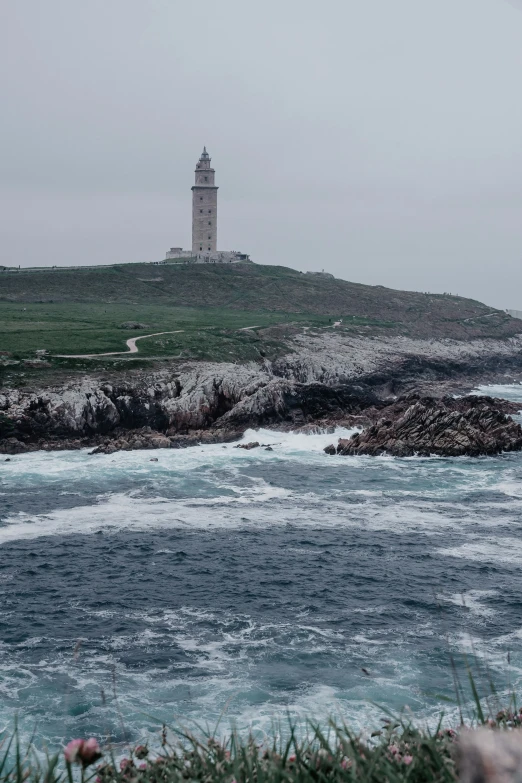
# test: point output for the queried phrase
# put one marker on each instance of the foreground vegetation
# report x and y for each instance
(397, 752)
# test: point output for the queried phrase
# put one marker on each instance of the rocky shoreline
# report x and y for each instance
(325, 380)
(474, 426)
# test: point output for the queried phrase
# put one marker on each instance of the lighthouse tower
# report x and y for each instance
(204, 208)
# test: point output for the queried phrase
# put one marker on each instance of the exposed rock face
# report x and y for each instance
(215, 404)
(486, 756)
(472, 426)
(326, 379)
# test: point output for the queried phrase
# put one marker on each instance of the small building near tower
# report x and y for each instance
(204, 221)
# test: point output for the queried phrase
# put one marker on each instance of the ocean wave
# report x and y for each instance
(501, 549)
(304, 570)
(260, 505)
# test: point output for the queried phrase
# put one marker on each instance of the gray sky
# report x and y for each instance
(376, 139)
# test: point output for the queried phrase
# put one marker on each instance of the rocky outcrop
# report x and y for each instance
(201, 406)
(325, 379)
(471, 426)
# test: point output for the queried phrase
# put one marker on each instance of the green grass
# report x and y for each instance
(92, 328)
(81, 311)
(397, 752)
(256, 289)
(83, 328)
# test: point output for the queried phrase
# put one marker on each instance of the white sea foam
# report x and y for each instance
(258, 505)
(508, 391)
(479, 502)
(472, 600)
(499, 549)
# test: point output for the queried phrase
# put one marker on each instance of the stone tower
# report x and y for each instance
(204, 208)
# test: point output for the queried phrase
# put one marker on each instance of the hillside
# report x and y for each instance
(259, 289)
(237, 345)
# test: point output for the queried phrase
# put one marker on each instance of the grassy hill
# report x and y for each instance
(88, 310)
(250, 287)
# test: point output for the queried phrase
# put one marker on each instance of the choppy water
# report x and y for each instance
(256, 583)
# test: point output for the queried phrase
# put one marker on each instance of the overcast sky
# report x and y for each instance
(380, 140)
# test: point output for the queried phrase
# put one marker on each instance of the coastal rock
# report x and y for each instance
(248, 446)
(471, 426)
(132, 441)
(326, 380)
(486, 756)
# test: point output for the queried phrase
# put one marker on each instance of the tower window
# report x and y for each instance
(210, 222)
(209, 248)
(201, 198)
(209, 236)
(200, 247)
(206, 179)
(201, 211)
(210, 212)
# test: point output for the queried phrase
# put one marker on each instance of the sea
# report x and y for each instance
(214, 587)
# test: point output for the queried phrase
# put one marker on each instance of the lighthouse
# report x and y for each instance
(204, 208)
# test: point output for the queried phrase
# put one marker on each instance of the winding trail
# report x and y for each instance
(131, 345)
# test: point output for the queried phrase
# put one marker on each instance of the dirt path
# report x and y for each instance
(131, 345)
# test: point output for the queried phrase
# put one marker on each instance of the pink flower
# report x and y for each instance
(125, 764)
(393, 749)
(451, 733)
(90, 752)
(72, 750)
(346, 763)
(291, 759)
(141, 752)
(407, 759)
(142, 766)
(82, 752)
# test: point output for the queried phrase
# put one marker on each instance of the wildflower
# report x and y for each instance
(451, 733)
(142, 766)
(90, 752)
(141, 752)
(291, 759)
(82, 752)
(407, 759)
(393, 749)
(346, 763)
(72, 750)
(126, 765)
